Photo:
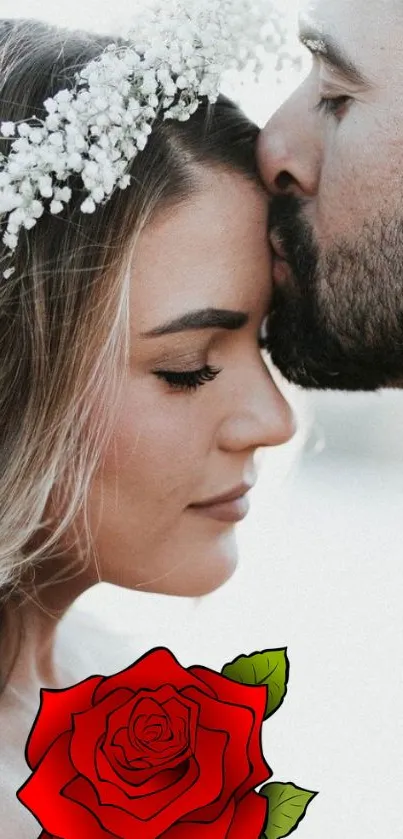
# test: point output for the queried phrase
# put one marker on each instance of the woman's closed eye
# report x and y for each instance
(188, 380)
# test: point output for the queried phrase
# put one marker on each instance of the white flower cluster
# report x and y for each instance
(171, 59)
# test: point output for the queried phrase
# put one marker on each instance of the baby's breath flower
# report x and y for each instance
(7, 129)
(10, 239)
(56, 207)
(88, 206)
(45, 186)
(172, 59)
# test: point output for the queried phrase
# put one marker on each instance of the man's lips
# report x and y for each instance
(277, 246)
(281, 269)
(281, 272)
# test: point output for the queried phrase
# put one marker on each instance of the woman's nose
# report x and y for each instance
(289, 149)
(260, 416)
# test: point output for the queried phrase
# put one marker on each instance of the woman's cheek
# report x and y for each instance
(156, 441)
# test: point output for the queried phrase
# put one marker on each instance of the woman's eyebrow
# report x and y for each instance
(201, 319)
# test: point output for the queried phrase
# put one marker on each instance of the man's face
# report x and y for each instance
(333, 158)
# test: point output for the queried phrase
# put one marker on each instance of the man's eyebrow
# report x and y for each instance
(325, 47)
(200, 319)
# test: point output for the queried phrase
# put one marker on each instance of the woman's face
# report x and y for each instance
(197, 401)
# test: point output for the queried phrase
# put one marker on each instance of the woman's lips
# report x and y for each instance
(226, 511)
(228, 507)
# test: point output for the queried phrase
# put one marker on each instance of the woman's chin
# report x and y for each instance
(201, 574)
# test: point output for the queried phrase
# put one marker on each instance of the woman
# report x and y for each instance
(134, 394)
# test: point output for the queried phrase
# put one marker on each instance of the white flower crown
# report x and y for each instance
(175, 56)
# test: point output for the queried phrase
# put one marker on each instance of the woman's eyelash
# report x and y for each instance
(330, 105)
(189, 380)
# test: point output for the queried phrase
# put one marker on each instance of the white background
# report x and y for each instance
(320, 573)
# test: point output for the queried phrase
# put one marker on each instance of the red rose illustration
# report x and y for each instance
(157, 750)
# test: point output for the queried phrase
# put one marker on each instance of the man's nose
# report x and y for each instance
(289, 149)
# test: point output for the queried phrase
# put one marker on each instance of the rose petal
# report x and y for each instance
(218, 829)
(201, 784)
(55, 716)
(235, 693)
(158, 726)
(89, 727)
(181, 715)
(250, 817)
(244, 820)
(43, 795)
(237, 723)
(156, 668)
(160, 781)
(255, 698)
(122, 824)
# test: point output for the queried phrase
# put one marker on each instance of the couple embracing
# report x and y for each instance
(155, 247)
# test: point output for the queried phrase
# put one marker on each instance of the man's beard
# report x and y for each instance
(337, 322)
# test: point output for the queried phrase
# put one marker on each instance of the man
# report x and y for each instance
(333, 158)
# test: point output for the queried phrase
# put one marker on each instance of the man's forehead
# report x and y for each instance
(356, 13)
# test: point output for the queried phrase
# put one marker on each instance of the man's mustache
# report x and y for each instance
(286, 220)
(285, 210)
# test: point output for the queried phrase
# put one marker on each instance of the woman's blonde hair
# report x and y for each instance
(64, 313)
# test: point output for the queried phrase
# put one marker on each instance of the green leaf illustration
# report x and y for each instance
(287, 807)
(268, 667)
